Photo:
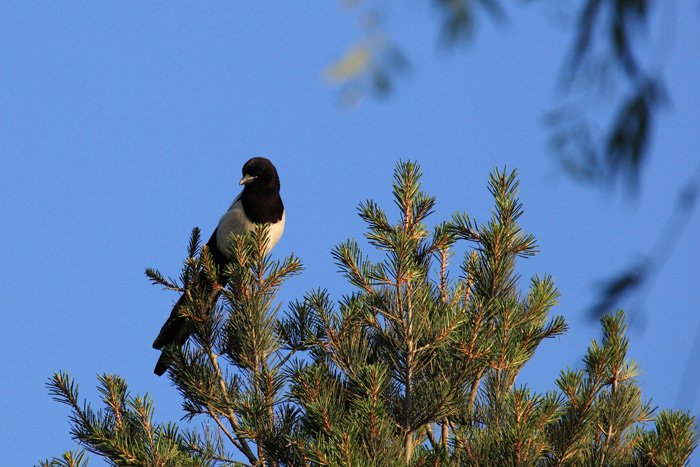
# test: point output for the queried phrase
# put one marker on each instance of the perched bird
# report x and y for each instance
(258, 203)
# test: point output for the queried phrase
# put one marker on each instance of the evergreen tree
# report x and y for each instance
(414, 367)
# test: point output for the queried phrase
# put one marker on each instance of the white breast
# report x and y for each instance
(234, 221)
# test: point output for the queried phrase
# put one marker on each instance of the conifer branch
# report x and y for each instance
(239, 441)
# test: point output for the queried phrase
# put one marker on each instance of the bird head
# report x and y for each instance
(259, 168)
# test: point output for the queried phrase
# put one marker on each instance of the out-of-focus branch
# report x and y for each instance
(638, 277)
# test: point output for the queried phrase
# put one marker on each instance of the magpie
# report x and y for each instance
(258, 203)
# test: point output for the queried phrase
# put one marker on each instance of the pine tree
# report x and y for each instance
(414, 367)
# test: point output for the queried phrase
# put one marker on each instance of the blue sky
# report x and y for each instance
(124, 125)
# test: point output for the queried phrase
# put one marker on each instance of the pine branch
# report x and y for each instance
(237, 440)
(68, 459)
(124, 434)
(158, 279)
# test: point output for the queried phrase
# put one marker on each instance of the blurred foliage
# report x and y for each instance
(459, 17)
(604, 53)
(369, 66)
(611, 93)
(639, 275)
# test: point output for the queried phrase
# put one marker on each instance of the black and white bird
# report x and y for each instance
(258, 203)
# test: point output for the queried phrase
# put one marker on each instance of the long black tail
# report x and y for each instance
(175, 331)
(162, 365)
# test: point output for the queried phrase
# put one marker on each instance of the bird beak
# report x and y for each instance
(246, 179)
